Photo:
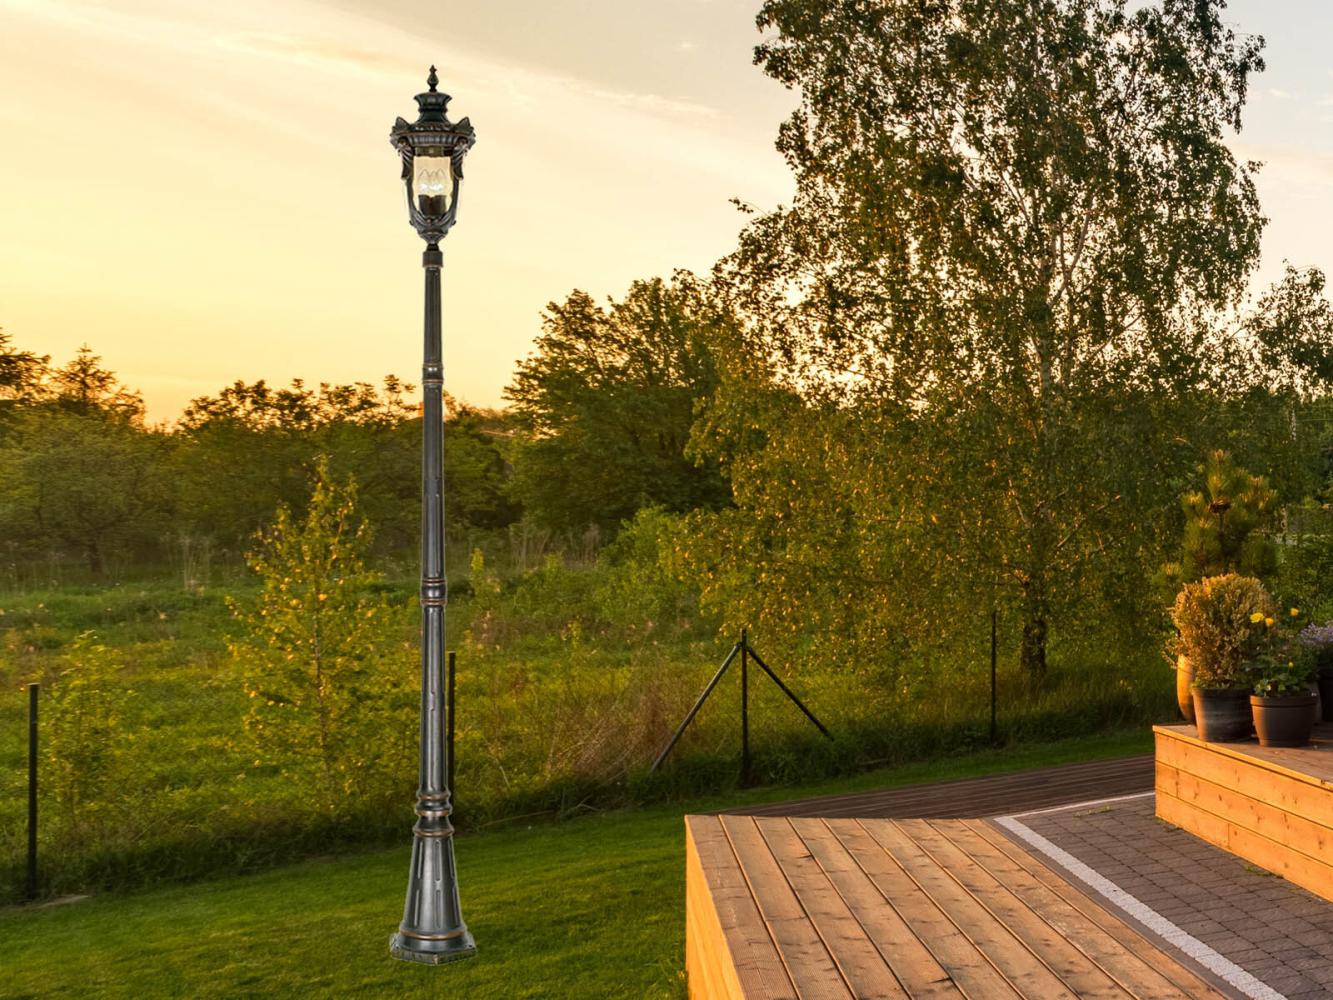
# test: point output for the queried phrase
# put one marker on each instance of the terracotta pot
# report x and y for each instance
(1184, 678)
(1285, 721)
(1222, 716)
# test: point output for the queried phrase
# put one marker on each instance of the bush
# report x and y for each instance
(314, 655)
(1220, 620)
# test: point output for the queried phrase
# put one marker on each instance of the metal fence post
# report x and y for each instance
(745, 707)
(994, 730)
(32, 791)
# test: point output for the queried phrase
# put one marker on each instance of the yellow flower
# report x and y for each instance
(1257, 617)
(1268, 622)
(1295, 612)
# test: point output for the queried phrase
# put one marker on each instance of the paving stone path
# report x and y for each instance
(1276, 931)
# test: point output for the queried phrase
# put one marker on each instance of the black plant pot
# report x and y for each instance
(1285, 721)
(1326, 694)
(1222, 716)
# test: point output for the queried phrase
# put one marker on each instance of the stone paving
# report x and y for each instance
(1276, 931)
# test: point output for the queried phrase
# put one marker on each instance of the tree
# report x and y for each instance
(251, 448)
(21, 375)
(1222, 522)
(1014, 226)
(606, 403)
(311, 657)
(84, 387)
(91, 485)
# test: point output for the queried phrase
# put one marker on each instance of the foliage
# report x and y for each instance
(86, 751)
(322, 703)
(84, 387)
(84, 481)
(553, 720)
(1282, 662)
(1221, 626)
(1287, 672)
(606, 403)
(21, 375)
(88, 483)
(1318, 642)
(1013, 224)
(1223, 522)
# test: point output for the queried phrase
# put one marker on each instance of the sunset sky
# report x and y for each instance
(205, 192)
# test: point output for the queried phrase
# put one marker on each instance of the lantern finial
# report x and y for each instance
(432, 81)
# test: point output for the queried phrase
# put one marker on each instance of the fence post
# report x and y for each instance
(994, 731)
(745, 708)
(32, 791)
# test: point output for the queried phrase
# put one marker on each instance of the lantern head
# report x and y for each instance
(432, 150)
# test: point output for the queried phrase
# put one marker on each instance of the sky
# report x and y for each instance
(205, 192)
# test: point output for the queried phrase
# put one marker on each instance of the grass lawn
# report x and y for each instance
(588, 908)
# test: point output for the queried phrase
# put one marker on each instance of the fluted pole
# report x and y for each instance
(432, 930)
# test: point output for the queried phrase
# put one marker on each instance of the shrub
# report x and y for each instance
(1221, 621)
(85, 746)
(1222, 523)
(313, 657)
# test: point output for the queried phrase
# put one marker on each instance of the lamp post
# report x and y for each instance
(432, 150)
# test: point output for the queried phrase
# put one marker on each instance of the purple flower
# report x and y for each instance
(1317, 638)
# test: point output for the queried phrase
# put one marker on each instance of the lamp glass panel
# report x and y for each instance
(432, 183)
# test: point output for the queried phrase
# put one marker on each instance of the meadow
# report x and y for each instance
(150, 774)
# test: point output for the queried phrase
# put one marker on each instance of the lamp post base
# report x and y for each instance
(409, 949)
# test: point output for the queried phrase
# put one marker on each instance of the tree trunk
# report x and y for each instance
(96, 564)
(1032, 652)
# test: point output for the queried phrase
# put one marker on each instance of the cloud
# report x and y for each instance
(307, 49)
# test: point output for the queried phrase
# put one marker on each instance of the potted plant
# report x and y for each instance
(1223, 522)
(1318, 640)
(1282, 702)
(1221, 625)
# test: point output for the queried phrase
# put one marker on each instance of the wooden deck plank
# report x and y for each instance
(993, 848)
(1083, 976)
(975, 976)
(988, 796)
(861, 964)
(902, 910)
(912, 963)
(808, 961)
(728, 929)
(1004, 949)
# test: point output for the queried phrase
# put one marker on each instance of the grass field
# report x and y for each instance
(591, 907)
(552, 723)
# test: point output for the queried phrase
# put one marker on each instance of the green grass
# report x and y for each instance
(553, 721)
(591, 907)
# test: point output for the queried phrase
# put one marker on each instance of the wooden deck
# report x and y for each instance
(1272, 807)
(834, 909)
(993, 795)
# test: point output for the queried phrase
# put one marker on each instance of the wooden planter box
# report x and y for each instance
(1273, 807)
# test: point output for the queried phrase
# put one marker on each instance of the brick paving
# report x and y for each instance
(1276, 931)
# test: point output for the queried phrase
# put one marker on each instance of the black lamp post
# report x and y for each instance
(432, 149)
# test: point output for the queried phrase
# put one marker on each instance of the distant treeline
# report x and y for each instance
(90, 490)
